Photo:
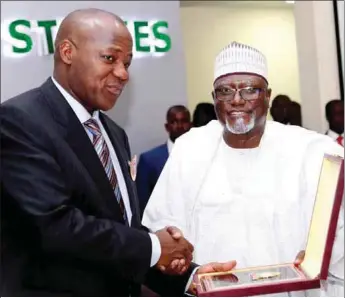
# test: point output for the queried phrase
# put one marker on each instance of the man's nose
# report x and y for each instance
(121, 72)
(179, 124)
(238, 99)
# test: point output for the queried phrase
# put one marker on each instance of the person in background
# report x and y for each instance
(335, 117)
(204, 113)
(295, 114)
(280, 109)
(243, 187)
(152, 162)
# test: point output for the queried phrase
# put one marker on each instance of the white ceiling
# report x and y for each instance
(243, 3)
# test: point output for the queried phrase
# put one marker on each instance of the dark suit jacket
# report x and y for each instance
(61, 227)
(150, 166)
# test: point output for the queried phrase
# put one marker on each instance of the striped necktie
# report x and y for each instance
(103, 152)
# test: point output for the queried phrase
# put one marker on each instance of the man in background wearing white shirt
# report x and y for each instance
(335, 118)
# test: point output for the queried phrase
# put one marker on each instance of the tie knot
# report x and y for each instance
(93, 126)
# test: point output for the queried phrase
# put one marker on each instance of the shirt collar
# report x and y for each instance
(80, 111)
(333, 134)
(170, 145)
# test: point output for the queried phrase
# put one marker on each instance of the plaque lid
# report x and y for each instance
(324, 219)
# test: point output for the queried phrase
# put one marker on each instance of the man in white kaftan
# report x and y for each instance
(252, 205)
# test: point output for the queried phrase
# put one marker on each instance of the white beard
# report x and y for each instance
(240, 127)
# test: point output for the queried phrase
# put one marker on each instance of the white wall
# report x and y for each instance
(156, 81)
(340, 8)
(318, 65)
(209, 26)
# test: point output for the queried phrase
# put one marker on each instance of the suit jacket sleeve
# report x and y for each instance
(168, 285)
(32, 177)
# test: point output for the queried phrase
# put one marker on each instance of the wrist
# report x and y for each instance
(156, 251)
(191, 285)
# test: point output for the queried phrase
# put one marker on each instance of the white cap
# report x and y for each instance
(240, 58)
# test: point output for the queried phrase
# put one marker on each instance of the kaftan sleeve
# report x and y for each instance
(166, 206)
(312, 167)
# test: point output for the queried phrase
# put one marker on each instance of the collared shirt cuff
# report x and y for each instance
(190, 280)
(156, 249)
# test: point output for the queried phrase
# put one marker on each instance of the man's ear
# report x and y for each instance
(66, 49)
(213, 95)
(268, 95)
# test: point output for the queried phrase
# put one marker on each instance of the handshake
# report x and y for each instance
(177, 254)
(176, 251)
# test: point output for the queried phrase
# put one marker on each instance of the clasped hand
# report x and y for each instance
(176, 251)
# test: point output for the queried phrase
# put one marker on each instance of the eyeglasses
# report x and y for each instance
(228, 94)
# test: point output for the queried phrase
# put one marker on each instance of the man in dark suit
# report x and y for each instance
(151, 163)
(70, 223)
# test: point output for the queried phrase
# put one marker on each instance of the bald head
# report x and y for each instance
(84, 25)
(93, 51)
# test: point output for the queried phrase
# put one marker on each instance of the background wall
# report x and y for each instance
(157, 79)
(318, 64)
(340, 21)
(267, 25)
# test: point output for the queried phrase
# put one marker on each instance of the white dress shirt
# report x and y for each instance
(83, 115)
(170, 145)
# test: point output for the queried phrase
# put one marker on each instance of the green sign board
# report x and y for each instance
(149, 36)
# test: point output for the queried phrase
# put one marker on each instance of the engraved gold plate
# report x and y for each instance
(264, 275)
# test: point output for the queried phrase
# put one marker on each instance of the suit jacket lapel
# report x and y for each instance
(77, 138)
(124, 158)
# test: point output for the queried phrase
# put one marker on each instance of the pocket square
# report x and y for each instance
(133, 167)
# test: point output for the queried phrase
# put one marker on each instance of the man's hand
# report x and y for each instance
(299, 258)
(209, 268)
(216, 267)
(176, 253)
(177, 266)
(175, 232)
